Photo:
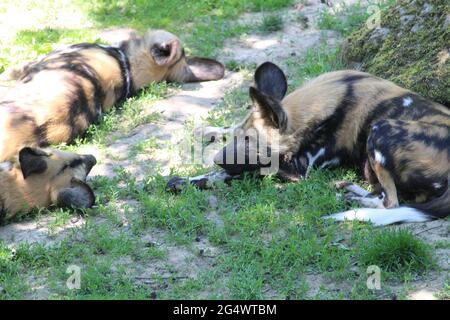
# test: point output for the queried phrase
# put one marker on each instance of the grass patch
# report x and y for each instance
(396, 252)
(271, 23)
(345, 19)
(348, 17)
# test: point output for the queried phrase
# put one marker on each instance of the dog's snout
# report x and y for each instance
(89, 161)
(228, 160)
(219, 158)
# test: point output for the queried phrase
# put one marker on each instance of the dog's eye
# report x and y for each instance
(75, 163)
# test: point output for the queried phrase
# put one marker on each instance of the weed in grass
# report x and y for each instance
(344, 20)
(271, 23)
(444, 294)
(144, 146)
(397, 252)
(348, 17)
(314, 63)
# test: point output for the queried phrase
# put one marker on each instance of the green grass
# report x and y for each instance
(395, 251)
(346, 18)
(258, 238)
(206, 24)
(271, 23)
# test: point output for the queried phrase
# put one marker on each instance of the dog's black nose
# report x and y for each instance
(228, 160)
(89, 161)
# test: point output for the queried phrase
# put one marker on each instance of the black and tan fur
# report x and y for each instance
(400, 140)
(55, 99)
(44, 177)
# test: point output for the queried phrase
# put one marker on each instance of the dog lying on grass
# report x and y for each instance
(400, 140)
(55, 99)
(44, 177)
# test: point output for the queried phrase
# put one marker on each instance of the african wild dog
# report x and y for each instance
(44, 177)
(400, 140)
(55, 99)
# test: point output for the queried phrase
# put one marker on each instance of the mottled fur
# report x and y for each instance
(55, 99)
(398, 138)
(44, 177)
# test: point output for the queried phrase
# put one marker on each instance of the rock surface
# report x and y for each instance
(411, 47)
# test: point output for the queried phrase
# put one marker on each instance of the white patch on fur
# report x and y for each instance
(5, 166)
(407, 101)
(375, 127)
(211, 177)
(379, 157)
(437, 185)
(330, 163)
(312, 159)
(381, 217)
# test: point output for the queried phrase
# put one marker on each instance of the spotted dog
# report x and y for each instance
(55, 99)
(44, 177)
(400, 140)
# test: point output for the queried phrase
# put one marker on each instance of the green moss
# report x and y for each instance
(410, 52)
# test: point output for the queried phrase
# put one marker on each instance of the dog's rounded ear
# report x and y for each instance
(32, 161)
(195, 69)
(78, 195)
(270, 80)
(270, 109)
(165, 53)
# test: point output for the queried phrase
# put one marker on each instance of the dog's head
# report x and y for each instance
(258, 140)
(167, 55)
(51, 177)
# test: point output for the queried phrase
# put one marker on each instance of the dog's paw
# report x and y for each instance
(342, 184)
(202, 183)
(176, 184)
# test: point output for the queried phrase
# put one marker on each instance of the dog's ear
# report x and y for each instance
(32, 161)
(165, 53)
(78, 195)
(270, 109)
(195, 69)
(270, 80)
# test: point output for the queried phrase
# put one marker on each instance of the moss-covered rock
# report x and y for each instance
(410, 48)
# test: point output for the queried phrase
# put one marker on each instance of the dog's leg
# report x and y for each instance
(388, 186)
(394, 151)
(204, 181)
(353, 188)
(357, 194)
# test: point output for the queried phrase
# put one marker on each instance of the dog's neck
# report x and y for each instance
(16, 193)
(142, 69)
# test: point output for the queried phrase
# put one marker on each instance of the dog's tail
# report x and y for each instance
(434, 209)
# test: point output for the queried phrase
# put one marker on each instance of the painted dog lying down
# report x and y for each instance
(400, 140)
(40, 178)
(55, 99)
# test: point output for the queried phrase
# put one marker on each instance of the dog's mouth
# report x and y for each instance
(290, 170)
